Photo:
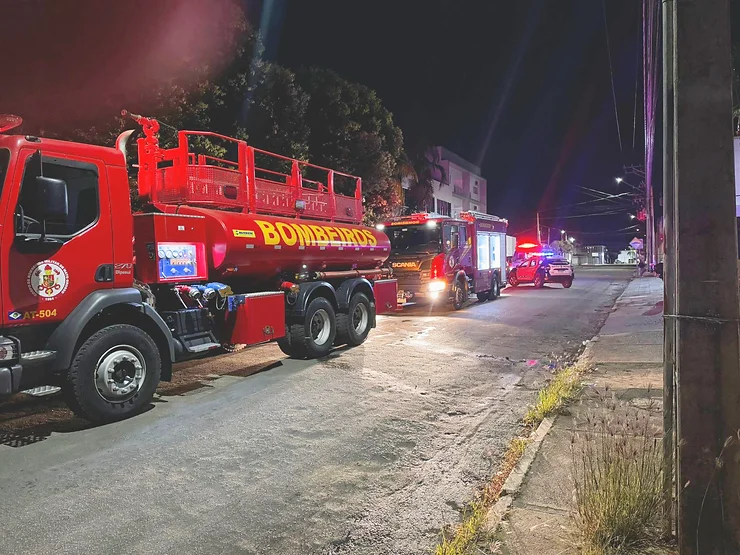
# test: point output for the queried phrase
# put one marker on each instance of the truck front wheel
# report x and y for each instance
(354, 326)
(459, 295)
(114, 374)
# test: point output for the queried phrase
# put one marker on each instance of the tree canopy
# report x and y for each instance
(313, 115)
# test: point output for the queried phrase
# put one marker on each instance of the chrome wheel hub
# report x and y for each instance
(120, 373)
(320, 327)
(360, 319)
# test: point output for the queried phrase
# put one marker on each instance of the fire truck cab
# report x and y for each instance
(436, 257)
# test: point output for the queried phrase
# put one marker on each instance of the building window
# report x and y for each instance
(475, 207)
(444, 207)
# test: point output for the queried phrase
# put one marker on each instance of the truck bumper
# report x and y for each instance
(422, 293)
(10, 379)
(558, 279)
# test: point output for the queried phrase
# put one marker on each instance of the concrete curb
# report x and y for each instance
(514, 481)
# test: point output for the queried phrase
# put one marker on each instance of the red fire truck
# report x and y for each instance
(102, 302)
(434, 256)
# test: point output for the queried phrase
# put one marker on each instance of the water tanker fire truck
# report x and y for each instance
(436, 257)
(102, 302)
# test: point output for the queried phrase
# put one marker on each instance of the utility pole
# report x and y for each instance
(539, 233)
(706, 302)
(669, 269)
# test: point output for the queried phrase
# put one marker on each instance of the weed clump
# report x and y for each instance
(618, 483)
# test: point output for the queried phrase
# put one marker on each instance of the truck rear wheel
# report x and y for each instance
(314, 336)
(354, 326)
(114, 374)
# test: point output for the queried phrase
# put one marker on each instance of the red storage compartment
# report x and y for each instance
(170, 248)
(386, 295)
(256, 317)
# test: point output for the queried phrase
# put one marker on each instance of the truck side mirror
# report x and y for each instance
(53, 194)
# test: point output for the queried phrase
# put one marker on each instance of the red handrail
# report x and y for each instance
(211, 176)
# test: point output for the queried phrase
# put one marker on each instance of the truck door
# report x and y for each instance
(43, 281)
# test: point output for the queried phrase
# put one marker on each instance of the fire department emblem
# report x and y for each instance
(47, 279)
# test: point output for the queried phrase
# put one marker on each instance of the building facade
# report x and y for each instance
(460, 187)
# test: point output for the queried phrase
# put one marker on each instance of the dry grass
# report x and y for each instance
(472, 530)
(618, 483)
(564, 386)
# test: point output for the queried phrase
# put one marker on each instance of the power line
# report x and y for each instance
(584, 202)
(611, 74)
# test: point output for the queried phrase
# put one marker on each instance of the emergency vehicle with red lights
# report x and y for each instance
(435, 257)
(227, 252)
(539, 264)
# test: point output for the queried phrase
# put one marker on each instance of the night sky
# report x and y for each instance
(520, 88)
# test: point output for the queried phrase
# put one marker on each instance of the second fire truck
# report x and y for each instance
(438, 258)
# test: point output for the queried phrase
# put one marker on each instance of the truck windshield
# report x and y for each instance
(415, 238)
(4, 161)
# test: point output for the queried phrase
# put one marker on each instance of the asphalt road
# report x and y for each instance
(371, 451)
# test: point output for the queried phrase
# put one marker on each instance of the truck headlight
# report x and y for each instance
(8, 349)
(437, 285)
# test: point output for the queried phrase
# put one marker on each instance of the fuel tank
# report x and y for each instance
(255, 245)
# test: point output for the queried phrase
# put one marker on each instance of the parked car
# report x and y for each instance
(539, 270)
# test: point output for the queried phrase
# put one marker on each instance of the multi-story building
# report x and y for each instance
(460, 187)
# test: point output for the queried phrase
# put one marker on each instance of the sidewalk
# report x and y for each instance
(628, 357)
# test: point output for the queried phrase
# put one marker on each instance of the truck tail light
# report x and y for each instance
(8, 350)
(438, 266)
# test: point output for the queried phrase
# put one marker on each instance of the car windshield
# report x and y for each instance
(415, 238)
(557, 261)
(4, 161)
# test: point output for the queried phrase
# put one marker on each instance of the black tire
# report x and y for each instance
(539, 280)
(459, 295)
(495, 292)
(358, 313)
(300, 340)
(292, 344)
(568, 283)
(513, 280)
(483, 296)
(120, 348)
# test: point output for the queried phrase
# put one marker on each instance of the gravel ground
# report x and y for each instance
(370, 451)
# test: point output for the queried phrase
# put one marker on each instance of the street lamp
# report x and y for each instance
(619, 180)
(572, 239)
(632, 216)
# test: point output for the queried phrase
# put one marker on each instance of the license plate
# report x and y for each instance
(401, 297)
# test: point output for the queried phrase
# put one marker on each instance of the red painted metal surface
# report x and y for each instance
(261, 246)
(260, 319)
(385, 291)
(45, 286)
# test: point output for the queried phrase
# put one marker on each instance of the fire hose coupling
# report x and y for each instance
(220, 288)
